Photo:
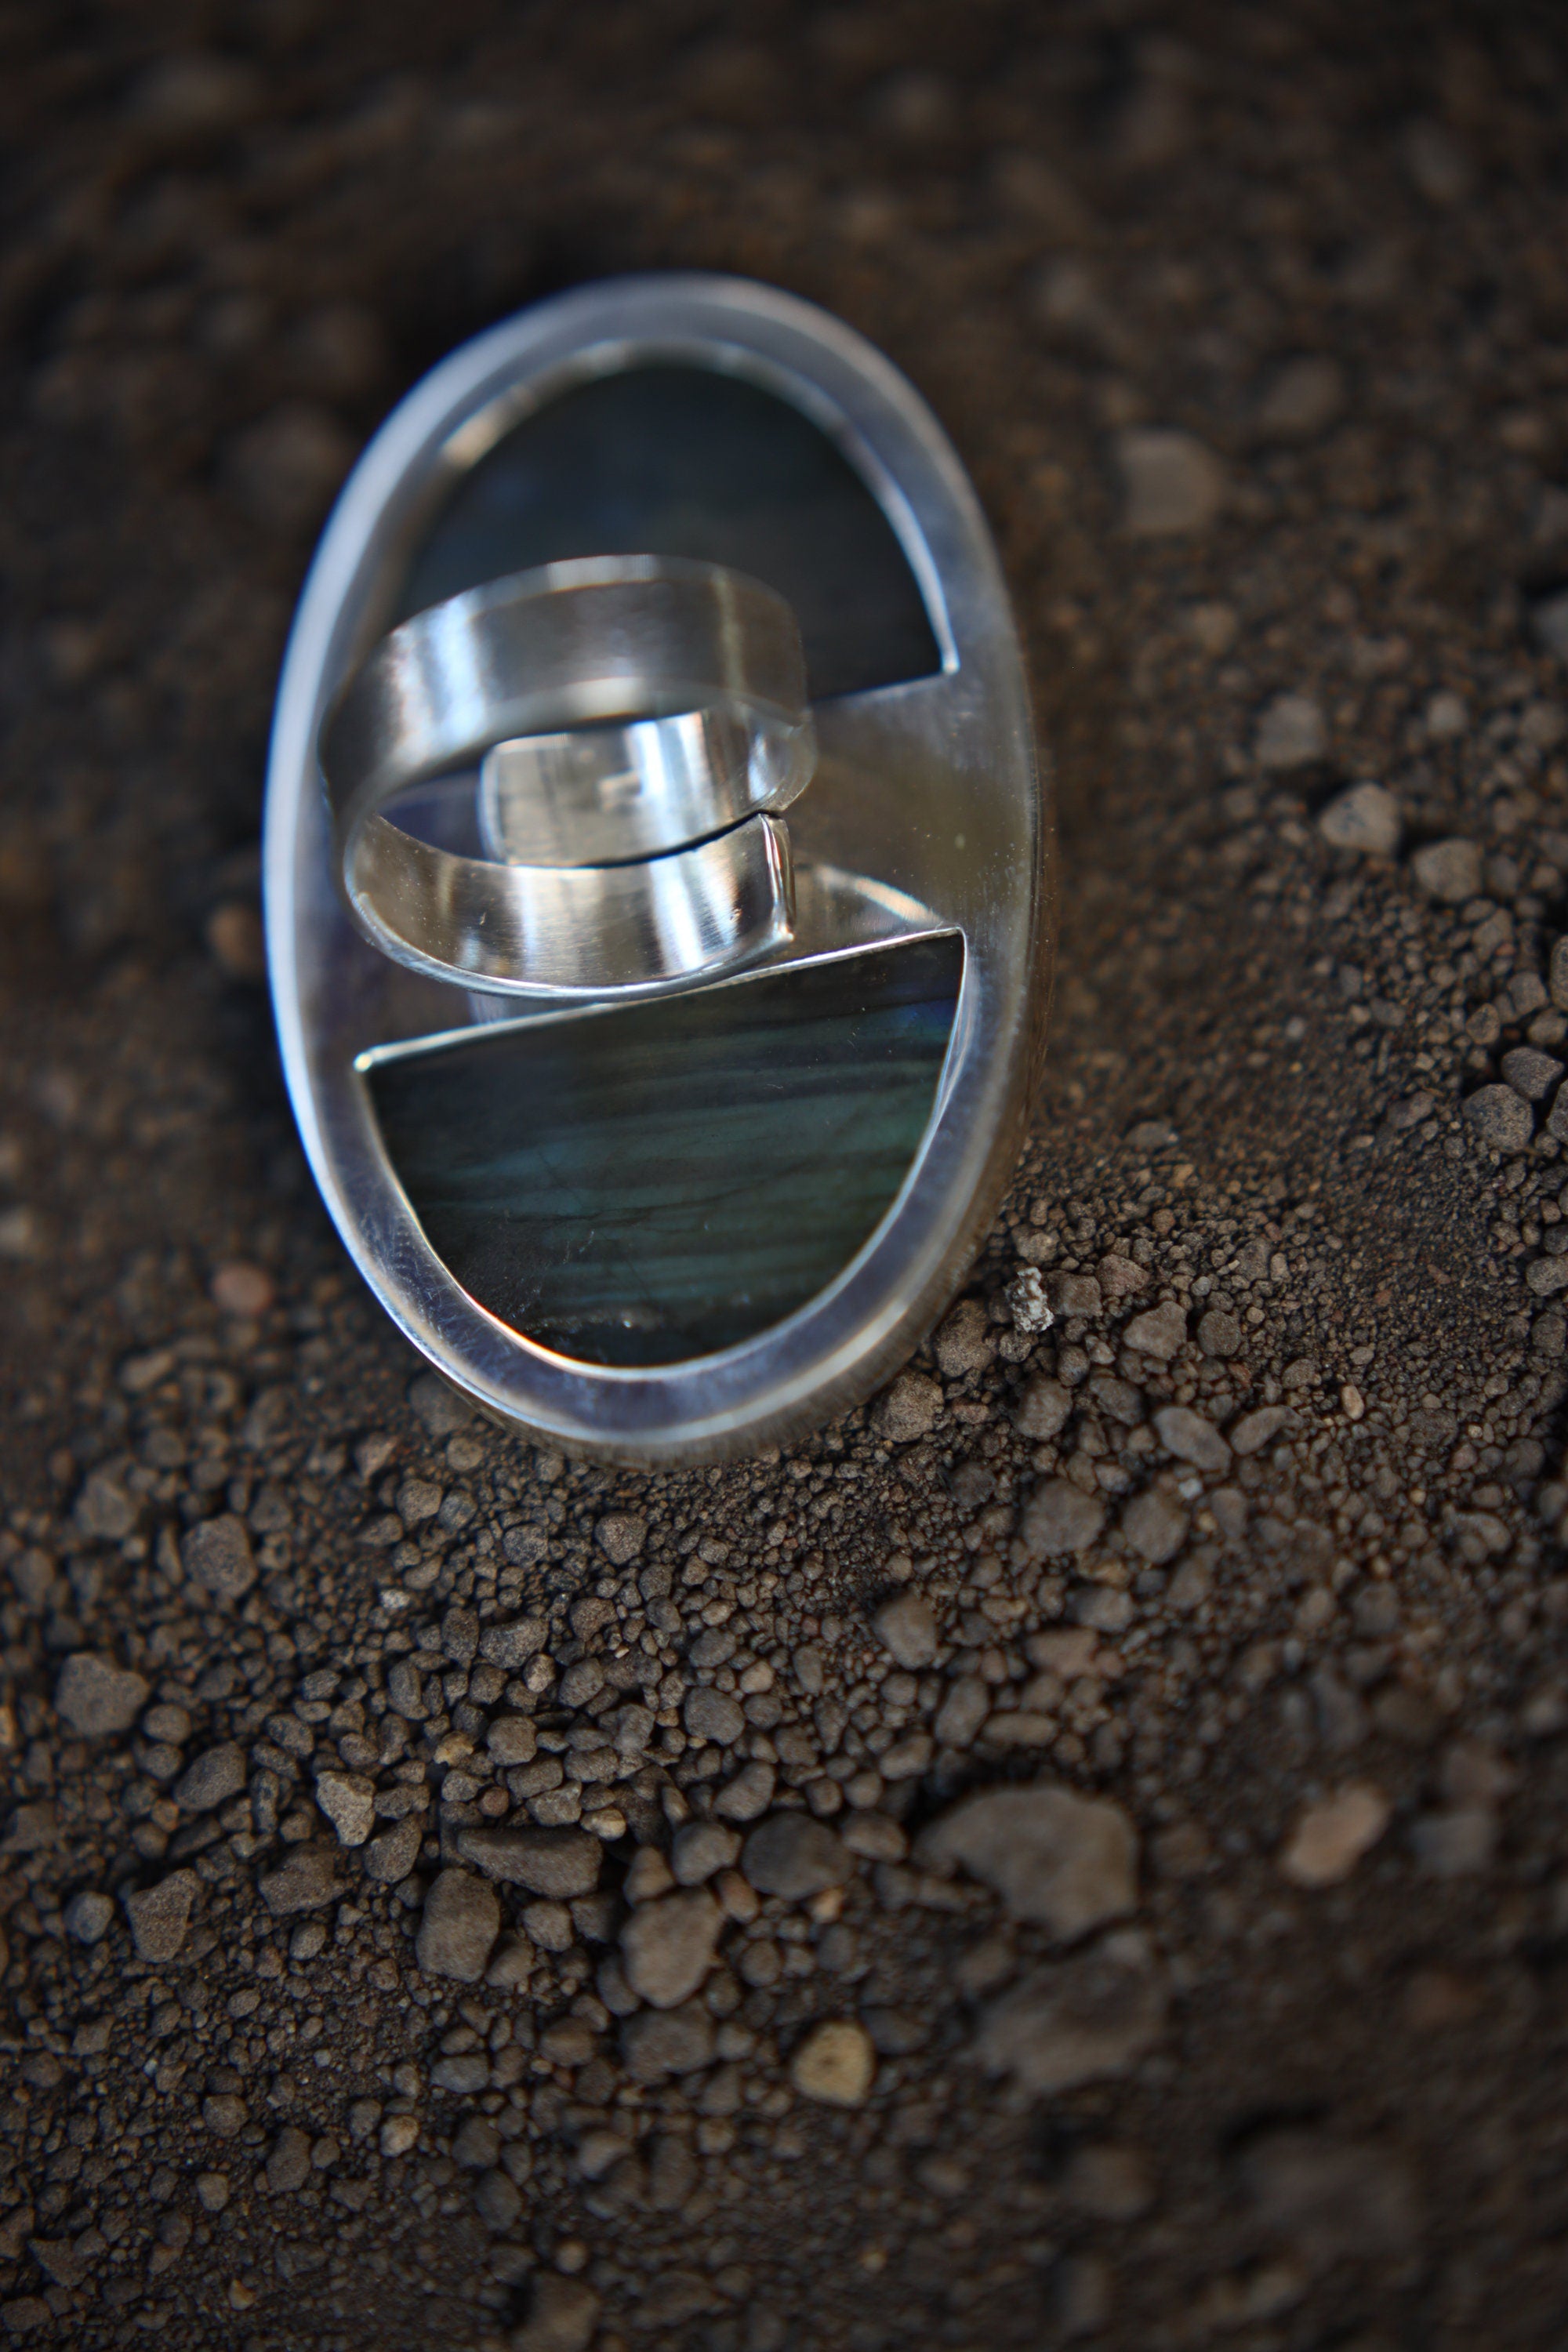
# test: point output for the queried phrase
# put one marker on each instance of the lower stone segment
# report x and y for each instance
(641, 1186)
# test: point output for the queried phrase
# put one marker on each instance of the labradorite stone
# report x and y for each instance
(682, 461)
(662, 1180)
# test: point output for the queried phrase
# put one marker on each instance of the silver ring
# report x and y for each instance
(927, 919)
(633, 717)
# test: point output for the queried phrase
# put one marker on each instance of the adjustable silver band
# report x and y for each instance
(600, 795)
(576, 930)
(633, 717)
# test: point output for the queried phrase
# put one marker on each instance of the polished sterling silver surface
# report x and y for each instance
(651, 703)
(554, 932)
(593, 795)
(569, 644)
(926, 812)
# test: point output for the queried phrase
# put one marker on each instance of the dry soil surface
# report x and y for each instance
(1078, 1851)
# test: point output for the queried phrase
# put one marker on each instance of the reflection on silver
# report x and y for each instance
(569, 644)
(623, 708)
(598, 795)
(576, 930)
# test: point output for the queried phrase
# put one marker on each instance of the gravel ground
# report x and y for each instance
(1077, 1851)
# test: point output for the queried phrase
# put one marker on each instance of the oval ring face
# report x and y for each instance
(680, 1229)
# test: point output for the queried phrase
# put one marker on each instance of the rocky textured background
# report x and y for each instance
(1079, 1852)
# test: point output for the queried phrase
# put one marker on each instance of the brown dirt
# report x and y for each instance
(232, 238)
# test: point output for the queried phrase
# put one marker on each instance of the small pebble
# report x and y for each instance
(667, 1946)
(1155, 1526)
(1065, 1862)
(710, 1714)
(1305, 396)
(1191, 1438)
(89, 1916)
(836, 2064)
(620, 1536)
(793, 1855)
(657, 2044)
(1219, 1333)
(563, 2315)
(242, 1290)
(1158, 1332)
(1256, 1430)
(237, 942)
(1499, 1118)
(907, 1630)
(1044, 1409)
(1028, 1304)
(1292, 733)
(1530, 1074)
(1172, 483)
(1330, 1836)
(218, 1557)
(1059, 1518)
(908, 1409)
(965, 1342)
(1449, 871)
(348, 1801)
(213, 1777)
(160, 1915)
(97, 1698)
(1366, 818)
(699, 1850)
(457, 1929)
(1557, 974)
(171, 1725)
(1075, 2020)
(748, 1796)
(305, 1880)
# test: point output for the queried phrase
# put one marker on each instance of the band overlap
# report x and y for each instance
(639, 723)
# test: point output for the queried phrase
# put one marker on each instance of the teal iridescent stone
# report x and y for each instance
(654, 1183)
(665, 460)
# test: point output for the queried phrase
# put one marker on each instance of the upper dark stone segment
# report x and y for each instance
(684, 461)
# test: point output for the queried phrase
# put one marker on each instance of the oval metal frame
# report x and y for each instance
(928, 803)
